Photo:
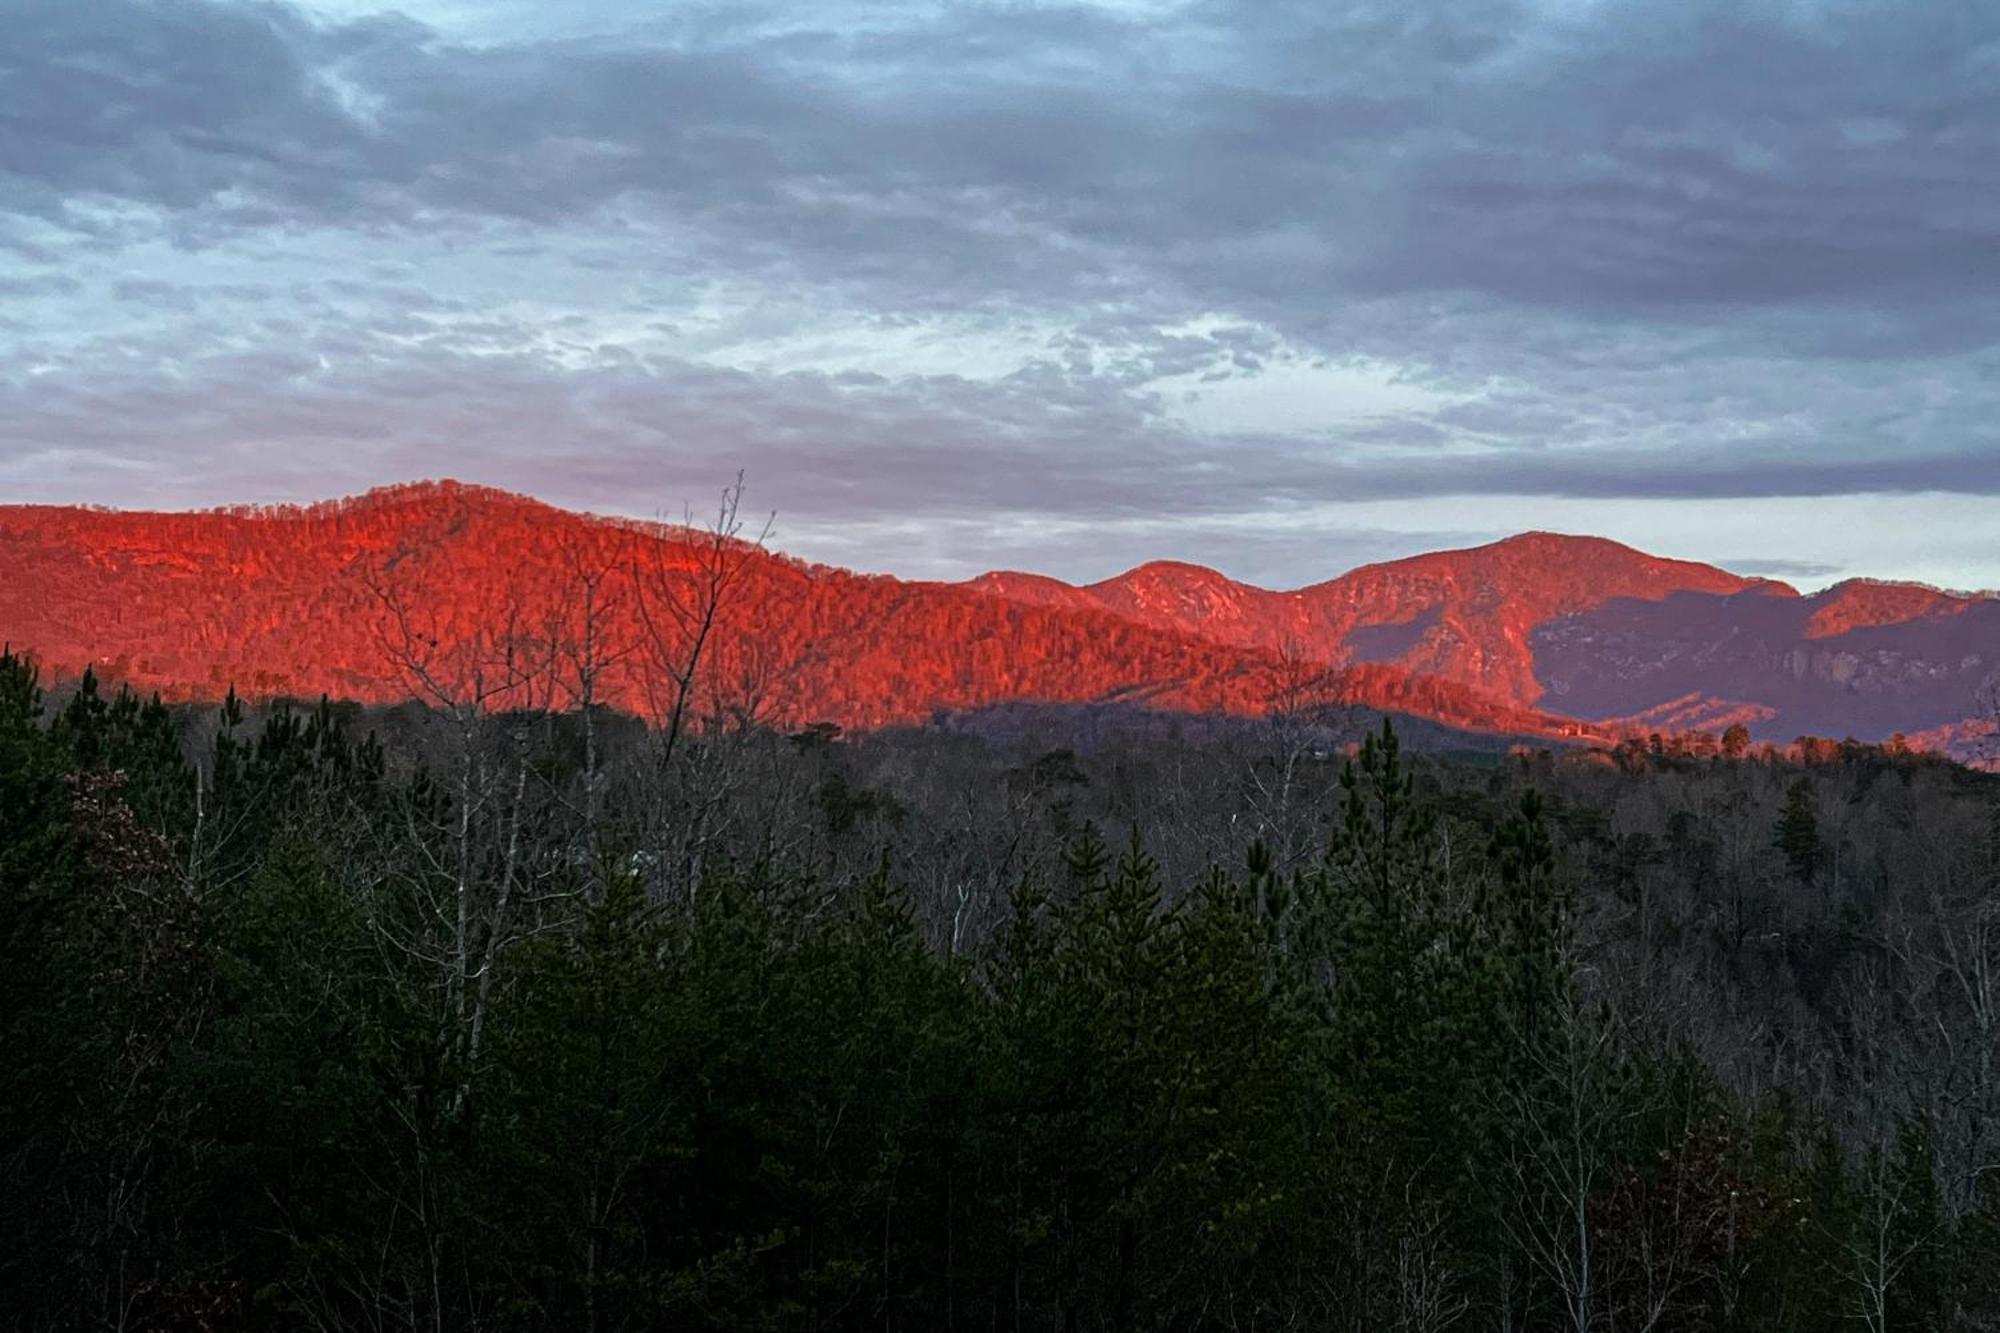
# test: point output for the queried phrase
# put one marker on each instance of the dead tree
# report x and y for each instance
(683, 593)
(467, 674)
(1877, 1250)
(591, 637)
(1566, 1111)
(1296, 719)
(682, 590)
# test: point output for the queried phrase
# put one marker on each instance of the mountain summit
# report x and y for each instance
(1534, 634)
(1460, 615)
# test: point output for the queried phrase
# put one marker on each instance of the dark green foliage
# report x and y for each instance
(1797, 832)
(306, 1031)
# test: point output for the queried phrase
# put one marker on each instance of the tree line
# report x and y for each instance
(440, 1018)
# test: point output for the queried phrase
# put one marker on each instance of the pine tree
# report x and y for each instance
(43, 1014)
(1529, 918)
(1413, 1032)
(587, 1104)
(1797, 832)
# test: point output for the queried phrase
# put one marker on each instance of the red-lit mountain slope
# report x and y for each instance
(1865, 603)
(1589, 629)
(452, 589)
(1463, 616)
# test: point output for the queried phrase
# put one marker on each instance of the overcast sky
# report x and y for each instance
(1279, 287)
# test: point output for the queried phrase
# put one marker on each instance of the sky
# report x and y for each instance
(1277, 287)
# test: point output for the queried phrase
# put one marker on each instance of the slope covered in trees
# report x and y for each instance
(455, 593)
(1858, 660)
(424, 1019)
(1462, 615)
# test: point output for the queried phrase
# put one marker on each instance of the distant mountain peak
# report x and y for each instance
(1525, 633)
(398, 495)
(1862, 603)
(1549, 539)
(1170, 569)
(1462, 615)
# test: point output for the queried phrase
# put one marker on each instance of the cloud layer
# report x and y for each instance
(1274, 285)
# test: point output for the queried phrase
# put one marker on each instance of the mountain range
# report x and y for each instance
(446, 590)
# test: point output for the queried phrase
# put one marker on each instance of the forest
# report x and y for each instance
(317, 1016)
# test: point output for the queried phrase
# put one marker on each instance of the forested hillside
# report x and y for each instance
(458, 594)
(455, 594)
(435, 1018)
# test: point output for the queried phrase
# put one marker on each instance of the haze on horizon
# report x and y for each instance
(1279, 288)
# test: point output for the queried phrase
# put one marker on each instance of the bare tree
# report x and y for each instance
(1880, 1245)
(1669, 1234)
(1297, 732)
(1565, 1111)
(683, 590)
(1942, 1062)
(590, 638)
(1427, 1298)
(468, 673)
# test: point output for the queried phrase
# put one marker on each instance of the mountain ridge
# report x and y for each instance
(1541, 633)
(1467, 609)
(290, 600)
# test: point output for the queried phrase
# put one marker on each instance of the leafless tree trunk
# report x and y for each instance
(1565, 1115)
(589, 640)
(1296, 720)
(683, 592)
(467, 676)
(1875, 1256)
(1427, 1300)
(681, 600)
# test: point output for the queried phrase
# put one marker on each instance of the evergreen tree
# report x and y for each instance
(1797, 832)
(1409, 1085)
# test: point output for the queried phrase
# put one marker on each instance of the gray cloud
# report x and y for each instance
(1783, 569)
(1692, 249)
(1664, 157)
(1042, 443)
(43, 284)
